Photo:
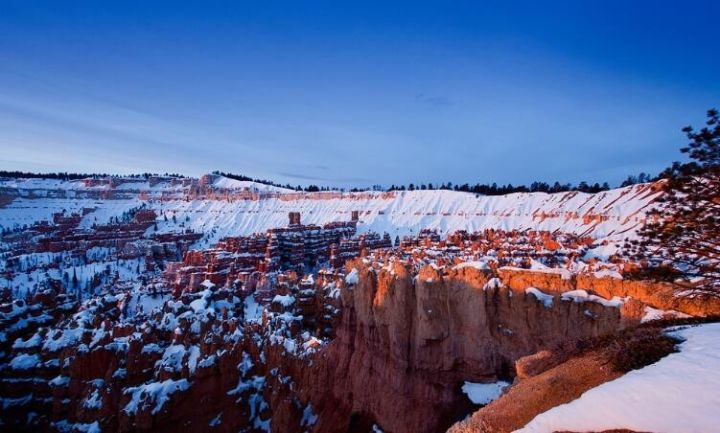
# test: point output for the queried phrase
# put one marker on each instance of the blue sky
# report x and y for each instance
(343, 94)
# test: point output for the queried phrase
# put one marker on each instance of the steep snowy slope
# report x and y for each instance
(227, 183)
(228, 207)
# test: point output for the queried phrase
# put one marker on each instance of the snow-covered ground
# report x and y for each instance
(228, 183)
(678, 394)
(612, 214)
(228, 207)
(24, 283)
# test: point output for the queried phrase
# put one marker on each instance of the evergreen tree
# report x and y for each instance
(681, 244)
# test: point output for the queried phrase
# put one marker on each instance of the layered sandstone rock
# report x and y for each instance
(662, 296)
(539, 393)
(388, 343)
(406, 343)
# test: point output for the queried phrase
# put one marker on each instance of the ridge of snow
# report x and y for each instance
(284, 300)
(25, 362)
(477, 264)
(248, 185)
(565, 274)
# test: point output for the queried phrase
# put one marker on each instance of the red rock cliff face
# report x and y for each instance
(405, 345)
(658, 295)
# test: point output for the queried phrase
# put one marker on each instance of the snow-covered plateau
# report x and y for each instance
(229, 207)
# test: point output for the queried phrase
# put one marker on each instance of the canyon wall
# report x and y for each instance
(227, 211)
(406, 343)
(395, 352)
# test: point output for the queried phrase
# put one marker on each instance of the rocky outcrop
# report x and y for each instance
(192, 364)
(549, 379)
(537, 394)
(388, 343)
(406, 343)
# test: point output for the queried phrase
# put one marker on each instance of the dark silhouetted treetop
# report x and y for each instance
(681, 243)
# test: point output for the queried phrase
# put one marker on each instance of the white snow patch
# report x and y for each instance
(546, 299)
(353, 277)
(94, 401)
(284, 300)
(25, 362)
(656, 314)
(579, 296)
(216, 421)
(66, 427)
(678, 394)
(154, 392)
(252, 311)
(565, 274)
(608, 273)
(477, 264)
(484, 393)
(308, 417)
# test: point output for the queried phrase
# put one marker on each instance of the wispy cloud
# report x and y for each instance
(434, 101)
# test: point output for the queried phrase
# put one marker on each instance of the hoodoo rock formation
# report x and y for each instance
(407, 342)
(177, 304)
(389, 344)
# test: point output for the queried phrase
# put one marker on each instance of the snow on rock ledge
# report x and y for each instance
(546, 299)
(284, 300)
(579, 296)
(25, 362)
(154, 392)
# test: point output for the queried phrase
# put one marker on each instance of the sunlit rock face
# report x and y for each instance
(407, 341)
(388, 341)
